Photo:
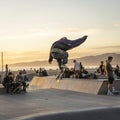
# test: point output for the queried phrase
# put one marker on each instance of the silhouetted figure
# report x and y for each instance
(44, 72)
(117, 71)
(110, 75)
(102, 68)
(6, 70)
(8, 82)
(67, 73)
(76, 68)
(59, 49)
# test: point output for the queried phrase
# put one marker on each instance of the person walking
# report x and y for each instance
(76, 68)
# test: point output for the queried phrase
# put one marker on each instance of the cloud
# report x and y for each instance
(116, 25)
(25, 34)
(35, 33)
(107, 47)
(79, 30)
(15, 57)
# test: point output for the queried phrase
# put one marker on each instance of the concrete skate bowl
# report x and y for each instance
(99, 114)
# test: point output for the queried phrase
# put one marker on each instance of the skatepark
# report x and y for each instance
(70, 99)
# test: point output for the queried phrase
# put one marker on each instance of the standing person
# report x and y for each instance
(110, 75)
(105, 68)
(81, 67)
(8, 82)
(76, 68)
(6, 70)
(59, 49)
(20, 81)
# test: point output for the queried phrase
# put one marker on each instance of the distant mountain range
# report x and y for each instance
(86, 61)
(95, 60)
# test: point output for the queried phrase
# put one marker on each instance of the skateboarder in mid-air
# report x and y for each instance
(59, 52)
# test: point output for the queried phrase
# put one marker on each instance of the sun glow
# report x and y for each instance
(28, 28)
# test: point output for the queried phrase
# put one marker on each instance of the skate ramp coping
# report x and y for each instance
(95, 114)
(92, 86)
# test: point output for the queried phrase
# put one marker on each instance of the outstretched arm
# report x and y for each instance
(50, 57)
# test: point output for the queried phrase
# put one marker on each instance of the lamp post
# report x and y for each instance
(2, 63)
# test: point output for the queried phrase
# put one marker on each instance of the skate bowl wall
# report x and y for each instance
(92, 86)
(99, 114)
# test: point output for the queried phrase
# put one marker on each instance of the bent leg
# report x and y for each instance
(62, 58)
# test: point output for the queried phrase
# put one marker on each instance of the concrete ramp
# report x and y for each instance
(92, 86)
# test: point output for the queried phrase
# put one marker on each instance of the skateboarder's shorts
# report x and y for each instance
(110, 80)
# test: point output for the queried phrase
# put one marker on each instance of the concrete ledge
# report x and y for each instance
(92, 86)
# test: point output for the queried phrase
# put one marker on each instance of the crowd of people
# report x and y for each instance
(15, 83)
(103, 71)
(41, 72)
(78, 71)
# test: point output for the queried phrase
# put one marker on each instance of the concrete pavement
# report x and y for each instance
(63, 103)
(45, 102)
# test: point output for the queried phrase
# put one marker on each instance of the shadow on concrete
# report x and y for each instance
(103, 87)
(101, 114)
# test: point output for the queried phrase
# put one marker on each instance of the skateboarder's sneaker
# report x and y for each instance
(109, 93)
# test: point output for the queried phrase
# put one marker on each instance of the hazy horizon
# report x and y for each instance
(29, 27)
(70, 58)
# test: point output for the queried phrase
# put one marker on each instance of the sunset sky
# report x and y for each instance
(29, 27)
